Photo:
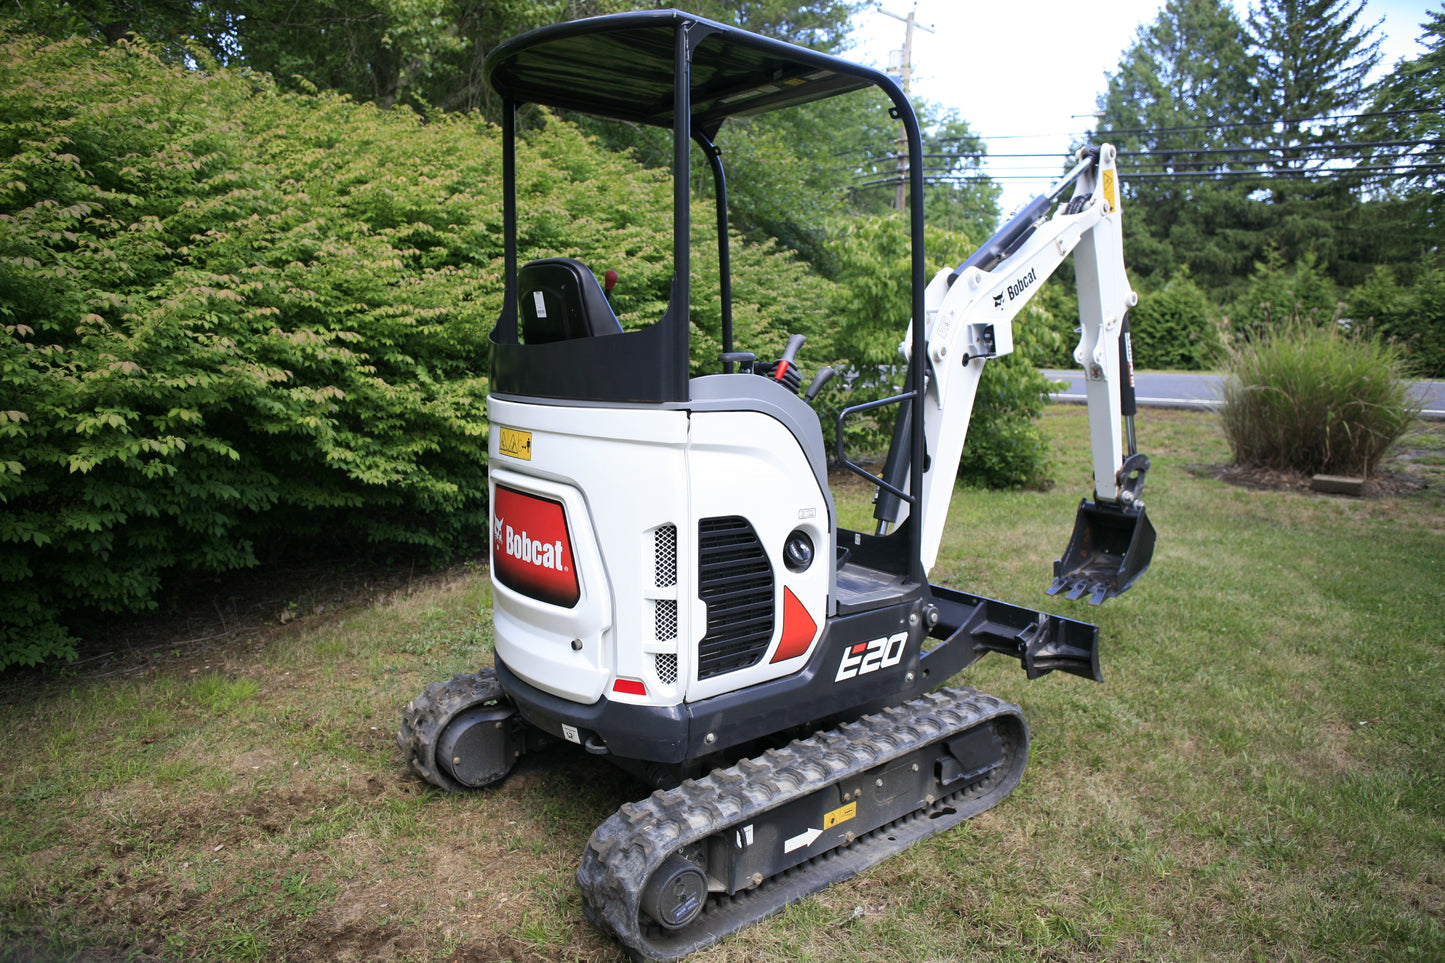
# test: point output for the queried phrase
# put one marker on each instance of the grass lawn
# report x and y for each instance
(1259, 778)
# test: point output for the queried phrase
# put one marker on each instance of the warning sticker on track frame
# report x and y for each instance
(840, 815)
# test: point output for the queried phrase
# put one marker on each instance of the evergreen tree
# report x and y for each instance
(1312, 59)
(1407, 131)
(1173, 109)
(1310, 68)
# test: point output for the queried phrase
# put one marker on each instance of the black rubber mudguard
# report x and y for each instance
(634, 843)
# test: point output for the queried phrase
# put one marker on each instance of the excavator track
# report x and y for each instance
(426, 718)
(776, 809)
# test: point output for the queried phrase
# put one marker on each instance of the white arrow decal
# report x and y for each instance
(805, 839)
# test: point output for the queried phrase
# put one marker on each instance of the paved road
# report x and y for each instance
(1161, 390)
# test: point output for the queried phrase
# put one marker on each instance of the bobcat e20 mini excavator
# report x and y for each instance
(672, 589)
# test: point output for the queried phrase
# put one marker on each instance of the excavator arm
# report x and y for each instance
(970, 313)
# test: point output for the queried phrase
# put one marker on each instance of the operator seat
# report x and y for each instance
(561, 300)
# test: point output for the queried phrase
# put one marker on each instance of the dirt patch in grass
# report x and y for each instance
(276, 820)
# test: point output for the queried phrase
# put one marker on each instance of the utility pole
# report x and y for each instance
(904, 68)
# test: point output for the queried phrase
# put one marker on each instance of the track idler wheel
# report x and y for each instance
(479, 746)
(675, 894)
(462, 733)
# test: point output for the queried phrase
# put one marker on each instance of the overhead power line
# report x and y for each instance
(1211, 177)
(1285, 175)
(1219, 126)
(1314, 151)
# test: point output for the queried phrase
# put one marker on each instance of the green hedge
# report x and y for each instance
(231, 318)
(1411, 316)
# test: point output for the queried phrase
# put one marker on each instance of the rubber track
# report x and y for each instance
(424, 718)
(631, 844)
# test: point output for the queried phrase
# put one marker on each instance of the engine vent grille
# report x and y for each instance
(735, 579)
(664, 620)
(666, 665)
(664, 565)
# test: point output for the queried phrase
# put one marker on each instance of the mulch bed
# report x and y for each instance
(1384, 485)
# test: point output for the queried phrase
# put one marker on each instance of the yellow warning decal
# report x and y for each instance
(1111, 191)
(840, 815)
(515, 443)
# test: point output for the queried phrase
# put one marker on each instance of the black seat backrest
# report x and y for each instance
(560, 300)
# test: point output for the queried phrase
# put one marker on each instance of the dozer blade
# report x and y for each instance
(1110, 548)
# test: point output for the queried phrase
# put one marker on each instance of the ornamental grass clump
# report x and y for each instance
(1316, 400)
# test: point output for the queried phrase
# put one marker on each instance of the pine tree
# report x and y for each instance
(1411, 100)
(1310, 71)
(1407, 129)
(1173, 109)
(1313, 58)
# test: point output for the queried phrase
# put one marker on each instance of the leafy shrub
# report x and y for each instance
(1278, 297)
(1006, 447)
(1171, 328)
(869, 307)
(234, 320)
(1413, 317)
(1315, 399)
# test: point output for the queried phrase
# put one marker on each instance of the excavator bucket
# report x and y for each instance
(1110, 548)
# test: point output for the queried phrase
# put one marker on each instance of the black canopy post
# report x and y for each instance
(680, 312)
(724, 250)
(508, 319)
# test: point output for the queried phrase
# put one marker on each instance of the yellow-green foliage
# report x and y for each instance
(1006, 448)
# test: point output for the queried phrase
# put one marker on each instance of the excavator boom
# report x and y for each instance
(969, 316)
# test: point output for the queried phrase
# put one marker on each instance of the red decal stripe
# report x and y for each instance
(798, 628)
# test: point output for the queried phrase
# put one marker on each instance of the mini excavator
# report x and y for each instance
(672, 589)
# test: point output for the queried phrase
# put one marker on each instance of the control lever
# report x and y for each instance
(823, 376)
(784, 371)
(785, 363)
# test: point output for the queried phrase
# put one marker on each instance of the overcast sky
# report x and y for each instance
(1026, 75)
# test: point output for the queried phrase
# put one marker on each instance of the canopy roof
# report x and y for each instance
(621, 66)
